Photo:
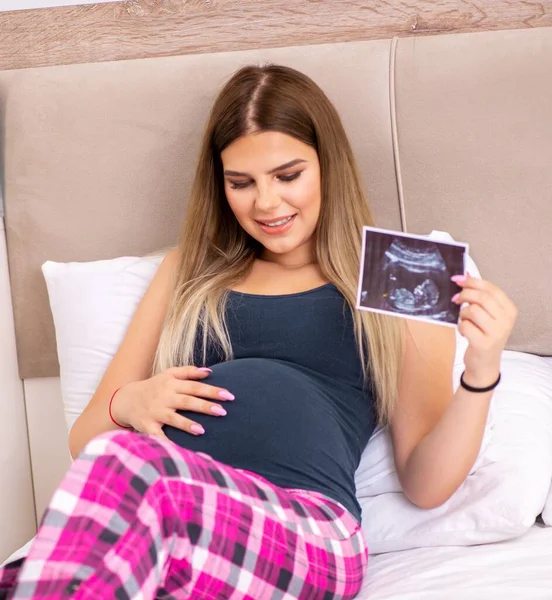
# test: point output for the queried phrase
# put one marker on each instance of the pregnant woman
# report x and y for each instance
(216, 459)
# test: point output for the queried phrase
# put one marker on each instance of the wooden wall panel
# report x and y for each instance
(147, 28)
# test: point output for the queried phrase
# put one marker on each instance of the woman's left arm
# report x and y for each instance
(437, 434)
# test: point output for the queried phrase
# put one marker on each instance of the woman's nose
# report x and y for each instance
(267, 198)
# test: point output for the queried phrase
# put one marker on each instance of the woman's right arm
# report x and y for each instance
(145, 402)
(133, 360)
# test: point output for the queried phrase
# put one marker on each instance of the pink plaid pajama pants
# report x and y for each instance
(140, 518)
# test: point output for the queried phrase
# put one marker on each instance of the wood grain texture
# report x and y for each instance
(149, 28)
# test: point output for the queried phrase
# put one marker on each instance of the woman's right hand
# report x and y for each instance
(148, 405)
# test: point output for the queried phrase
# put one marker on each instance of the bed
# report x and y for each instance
(451, 132)
(518, 568)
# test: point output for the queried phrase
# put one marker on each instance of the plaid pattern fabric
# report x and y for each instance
(8, 576)
(138, 517)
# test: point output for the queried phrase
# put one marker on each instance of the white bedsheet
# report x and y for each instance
(519, 569)
(23, 551)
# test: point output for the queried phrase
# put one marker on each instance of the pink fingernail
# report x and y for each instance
(206, 369)
(197, 429)
(455, 297)
(458, 278)
(218, 410)
(226, 395)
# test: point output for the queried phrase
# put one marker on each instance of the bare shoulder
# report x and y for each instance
(157, 296)
(162, 284)
(169, 264)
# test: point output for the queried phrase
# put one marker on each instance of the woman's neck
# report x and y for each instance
(300, 257)
(269, 278)
(289, 265)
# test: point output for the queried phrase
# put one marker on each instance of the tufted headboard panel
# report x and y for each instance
(451, 132)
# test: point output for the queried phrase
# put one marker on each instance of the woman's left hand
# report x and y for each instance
(486, 322)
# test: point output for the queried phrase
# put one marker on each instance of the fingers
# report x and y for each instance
(485, 287)
(183, 392)
(180, 389)
(471, 332)
(184, 383)
(195, 404)
(479, 317)
(189, 372)
(487, 318)
(173, 419)
(169, 416)
(177, 421)
(202, 390)
(481, 298)
(486, 303)
(158, 432)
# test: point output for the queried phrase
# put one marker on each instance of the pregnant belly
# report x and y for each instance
(279, 423)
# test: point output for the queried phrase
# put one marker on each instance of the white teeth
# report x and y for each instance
(278, 223)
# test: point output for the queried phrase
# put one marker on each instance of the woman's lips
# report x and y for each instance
(277, 226)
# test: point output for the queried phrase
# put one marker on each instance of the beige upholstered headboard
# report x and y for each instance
(451, 132)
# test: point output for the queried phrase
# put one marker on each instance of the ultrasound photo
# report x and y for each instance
(409, 276)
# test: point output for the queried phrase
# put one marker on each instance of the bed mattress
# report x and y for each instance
(518, 569)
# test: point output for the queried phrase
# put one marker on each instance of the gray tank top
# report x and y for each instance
(302, 414)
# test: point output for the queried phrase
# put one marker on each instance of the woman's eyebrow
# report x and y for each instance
(287, 165)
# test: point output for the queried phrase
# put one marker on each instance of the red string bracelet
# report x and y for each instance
(111, 414)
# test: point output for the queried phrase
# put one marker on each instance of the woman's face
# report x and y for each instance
(272, 183)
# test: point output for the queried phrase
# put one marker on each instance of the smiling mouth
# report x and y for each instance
(277, 223)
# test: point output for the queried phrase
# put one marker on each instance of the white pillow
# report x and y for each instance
(505, 494)
(92, 304)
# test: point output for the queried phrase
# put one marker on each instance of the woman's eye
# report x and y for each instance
(239, 185)
(288, 178)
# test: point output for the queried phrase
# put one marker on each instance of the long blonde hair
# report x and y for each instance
(215, 252)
